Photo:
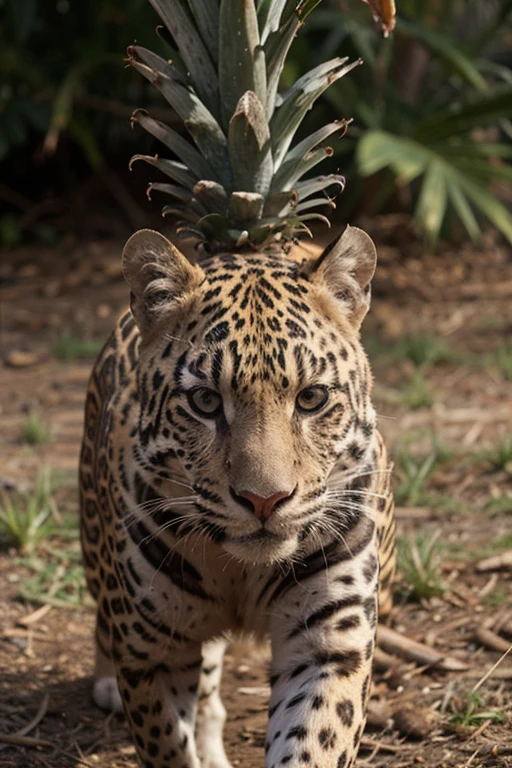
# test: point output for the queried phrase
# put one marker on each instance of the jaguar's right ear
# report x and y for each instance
(159, 276)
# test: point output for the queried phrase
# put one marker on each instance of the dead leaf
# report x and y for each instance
(384, 11)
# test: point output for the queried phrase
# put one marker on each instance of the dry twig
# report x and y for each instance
(490, 671)
(496, 562)
(394, 642)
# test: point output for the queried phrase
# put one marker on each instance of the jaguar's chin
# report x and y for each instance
(262, 548)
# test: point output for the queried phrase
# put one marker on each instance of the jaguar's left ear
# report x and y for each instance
(159, 276)
(345, 269)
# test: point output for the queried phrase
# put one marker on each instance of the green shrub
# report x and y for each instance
(432, 106)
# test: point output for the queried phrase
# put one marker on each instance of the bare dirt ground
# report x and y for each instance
(439, 336)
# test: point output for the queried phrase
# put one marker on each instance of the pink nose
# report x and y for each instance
(261, 507)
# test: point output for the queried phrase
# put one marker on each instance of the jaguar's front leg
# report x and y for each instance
(323, 635)
(160, 702)
(211, 714)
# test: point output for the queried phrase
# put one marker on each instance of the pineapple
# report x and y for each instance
(239, 185)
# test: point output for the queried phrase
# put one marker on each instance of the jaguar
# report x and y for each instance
(233, 481)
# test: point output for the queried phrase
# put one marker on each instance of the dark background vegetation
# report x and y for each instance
(429, 148)
(430, 106)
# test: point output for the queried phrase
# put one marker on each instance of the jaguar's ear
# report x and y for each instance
(158, 276)
(346, 268)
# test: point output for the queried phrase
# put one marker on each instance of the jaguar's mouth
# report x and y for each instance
(263, 535)
(261, 546)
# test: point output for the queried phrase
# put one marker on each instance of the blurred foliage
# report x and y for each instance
(62, 71)
(431, 104)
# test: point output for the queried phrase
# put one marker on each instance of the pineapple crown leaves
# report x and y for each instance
(238, 185)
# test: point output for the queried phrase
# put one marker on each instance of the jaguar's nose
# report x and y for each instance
(262, 507)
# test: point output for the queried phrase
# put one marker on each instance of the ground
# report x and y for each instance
(439, 339)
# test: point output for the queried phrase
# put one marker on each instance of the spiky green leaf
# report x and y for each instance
(292, 170)
(199, 122)
(206, 15)
(241, 60)
(313, 140)
(180, 193)
(177, 19)
(301, 97)
(185, 151)
(276, 49)
(309, 187)
(176, 171)
(249, 146)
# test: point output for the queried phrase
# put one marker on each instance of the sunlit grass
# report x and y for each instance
(499, 455)
(71, 347)
(474, 712)
(57, 580)
(34, 430)
(419, 560)
(417, 393)
(26, 518)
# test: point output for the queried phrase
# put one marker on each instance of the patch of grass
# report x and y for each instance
(414, 474)
(418, 562)
(423, 349)
(34, 431)
(502, 504)
(474, 712)
(500, 456)
(492, 547)
(58, 581)
(496, 598)
(71, 347)
(414, 470)
(26, 518)
(503, 357)
(417, 392)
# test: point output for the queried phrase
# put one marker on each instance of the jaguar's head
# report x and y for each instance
(252, 378)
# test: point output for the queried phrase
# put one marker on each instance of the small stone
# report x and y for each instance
(412, 721)
(19, 358)
(103, 311)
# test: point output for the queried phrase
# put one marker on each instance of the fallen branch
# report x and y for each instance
(35, 616)
(24, 741)
(496, 563)
(491, 640)
(403, 646)
(20, 738)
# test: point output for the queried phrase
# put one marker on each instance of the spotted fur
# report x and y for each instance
(265, 515)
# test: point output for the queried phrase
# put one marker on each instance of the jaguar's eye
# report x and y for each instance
(312, 399)
(206, 402)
